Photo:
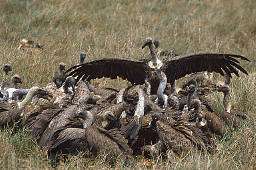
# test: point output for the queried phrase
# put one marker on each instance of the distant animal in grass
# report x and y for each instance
(25, 44)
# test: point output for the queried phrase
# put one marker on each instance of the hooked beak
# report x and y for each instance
(148, 42)
(145, 44)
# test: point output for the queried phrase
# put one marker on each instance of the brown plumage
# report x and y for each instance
(62, 120)
(69, 141)
(38, 121)
(9, 114)
(92, 141)
(214, 123)
(173, 139)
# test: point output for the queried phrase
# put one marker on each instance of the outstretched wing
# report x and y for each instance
(219, 63)
(133, 71)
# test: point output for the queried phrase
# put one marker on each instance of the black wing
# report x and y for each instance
(133, 71)
(219, 63)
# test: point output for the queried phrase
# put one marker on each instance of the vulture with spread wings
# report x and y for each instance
(137, 72)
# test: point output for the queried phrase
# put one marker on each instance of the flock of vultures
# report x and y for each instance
(151, 117)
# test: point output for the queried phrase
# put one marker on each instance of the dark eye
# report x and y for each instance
(81, 113)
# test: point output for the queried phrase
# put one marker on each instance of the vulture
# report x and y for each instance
(59, 75)
(15, 81)
(11, 112)
(230, 117)
(198, 111)
(7, 68)
(77, 132)
(82, 57)
(137, 72)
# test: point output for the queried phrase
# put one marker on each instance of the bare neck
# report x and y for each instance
(88, 122)
(147, 87)
(140, 105)
(162, 86)
(190, 97)
(226, 101)
(120, 96)
(153, 53)
(27, 99)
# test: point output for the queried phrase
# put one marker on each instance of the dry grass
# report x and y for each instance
(116, 28)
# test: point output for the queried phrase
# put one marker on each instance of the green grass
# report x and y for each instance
(116, 28)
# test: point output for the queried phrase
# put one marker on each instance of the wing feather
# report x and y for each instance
(211, 62)
(133, 71)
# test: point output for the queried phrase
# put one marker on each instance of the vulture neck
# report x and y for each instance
(191, 95)
(226, 101)
(161, 97)
(227, 80)
(89, 120)
(139, 112)
(28, 98)
(120, 96)
(82, 57)
(147, 87)
(154, 62)
(226, 92)
(153, 53)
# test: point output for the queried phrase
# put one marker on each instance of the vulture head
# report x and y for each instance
(88, 118)
(191, 88)
(147, 42)
(82, 57)
(155, 117)
(40, 93)
(156, 43)
(16, 79)
(69, 85)
(62, 66)
(154, 63)
(7, 68)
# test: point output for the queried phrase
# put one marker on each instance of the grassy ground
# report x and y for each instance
(116, 28)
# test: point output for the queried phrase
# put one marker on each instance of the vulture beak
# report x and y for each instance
(156, 43)
(145, 44)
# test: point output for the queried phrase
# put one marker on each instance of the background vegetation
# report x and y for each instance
(116, 28)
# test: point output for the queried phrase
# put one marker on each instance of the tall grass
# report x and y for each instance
(116, 28)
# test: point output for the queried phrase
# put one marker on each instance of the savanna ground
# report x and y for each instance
(116, 28)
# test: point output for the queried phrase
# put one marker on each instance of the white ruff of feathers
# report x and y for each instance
(158, 65)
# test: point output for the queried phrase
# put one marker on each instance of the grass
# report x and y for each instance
(116, 28)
